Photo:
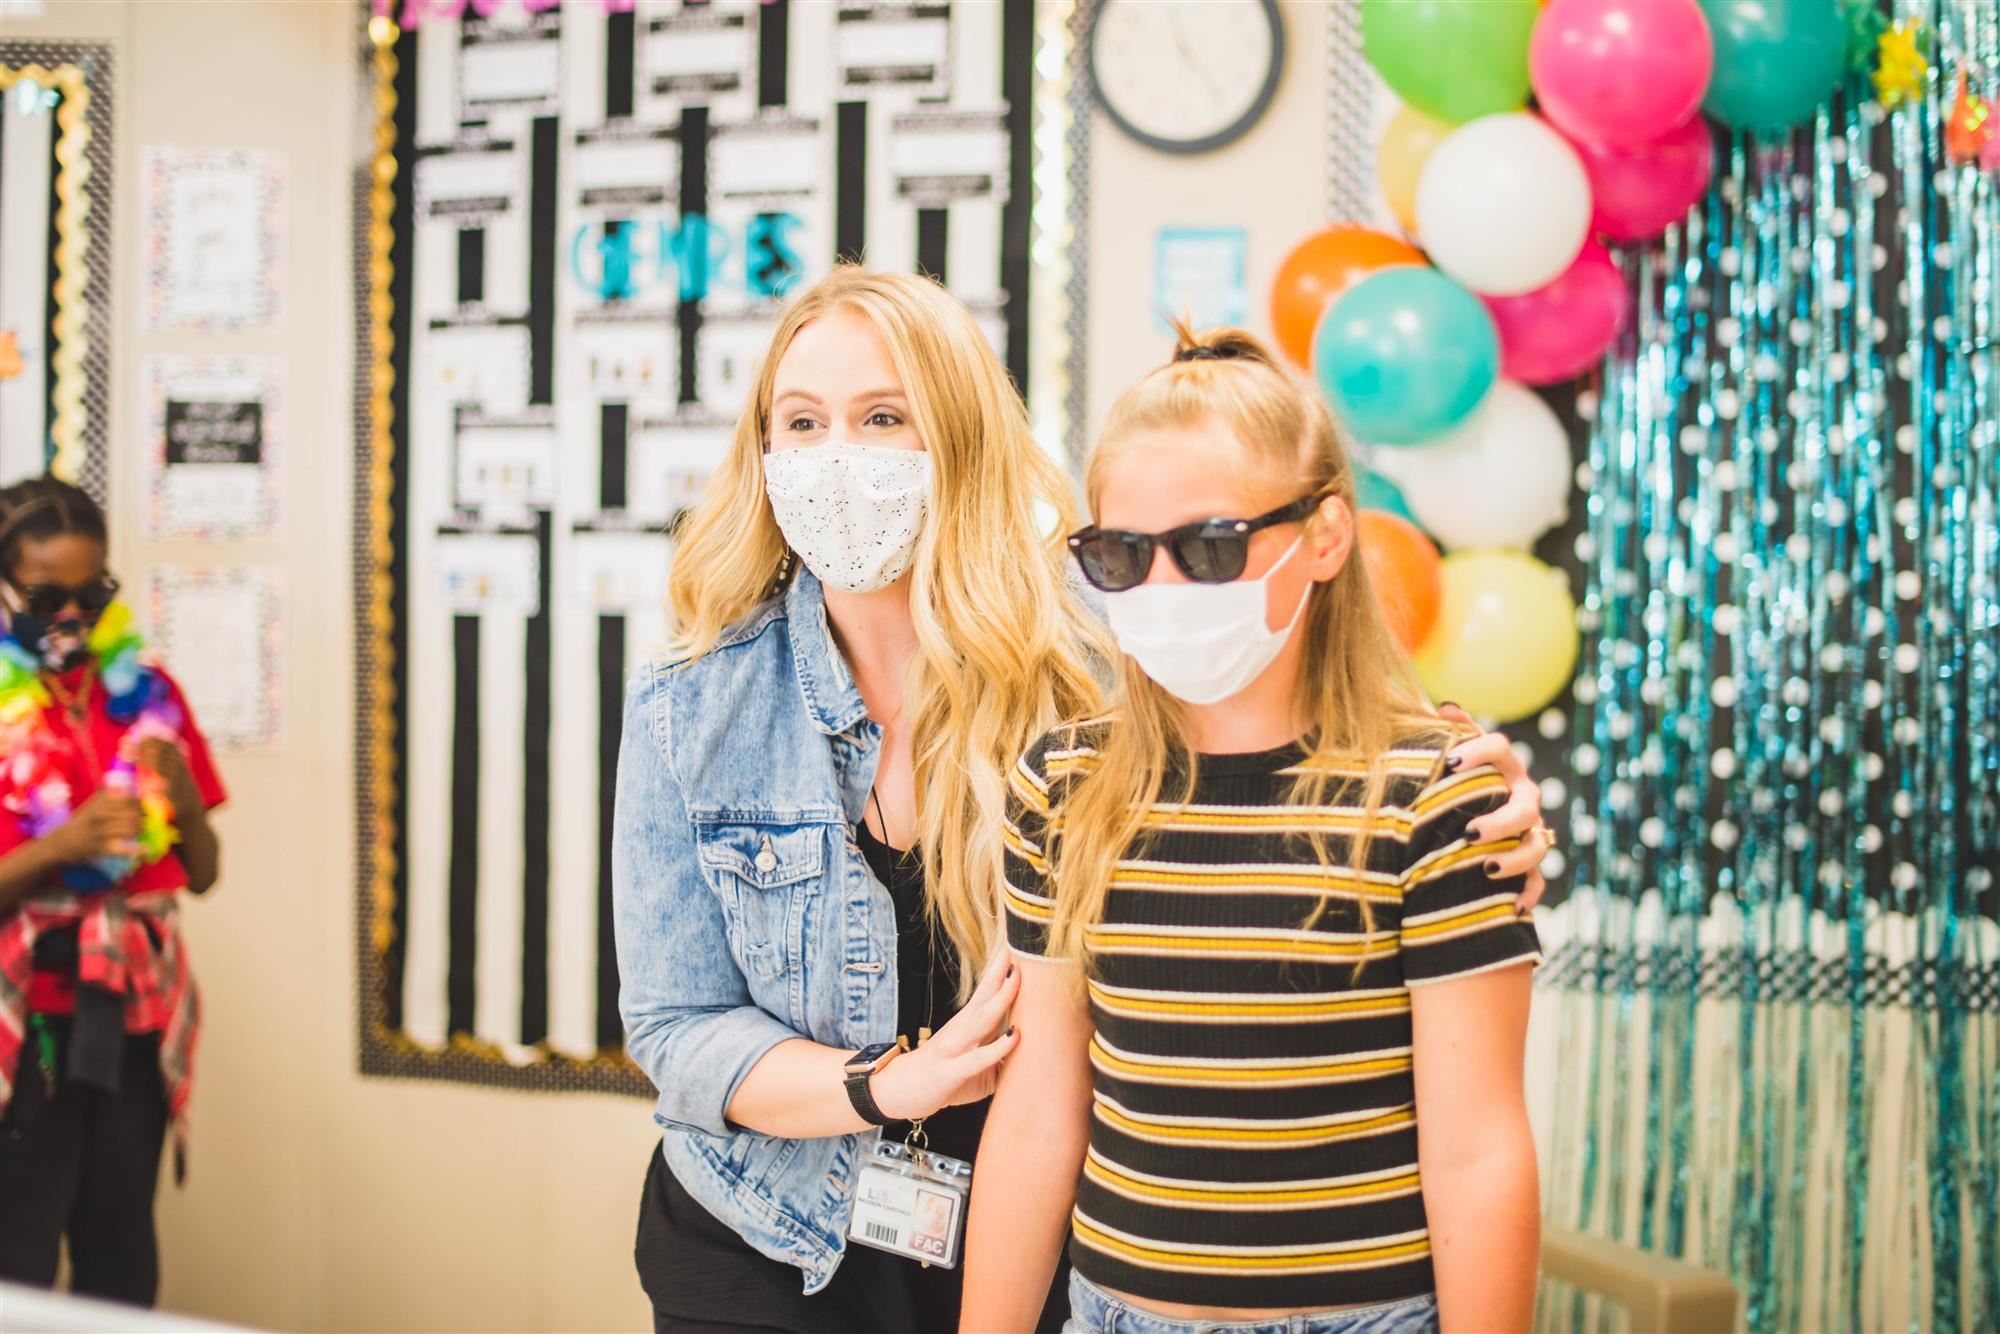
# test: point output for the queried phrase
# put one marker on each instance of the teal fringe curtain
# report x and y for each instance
(1776, 992)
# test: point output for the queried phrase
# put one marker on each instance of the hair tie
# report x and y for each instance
(1201, 354)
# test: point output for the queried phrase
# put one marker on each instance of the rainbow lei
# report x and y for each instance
(33, 788)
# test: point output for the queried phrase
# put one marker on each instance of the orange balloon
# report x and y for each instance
(1319, 269)
(1406, 571)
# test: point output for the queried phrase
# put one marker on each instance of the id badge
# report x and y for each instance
(911, 1202)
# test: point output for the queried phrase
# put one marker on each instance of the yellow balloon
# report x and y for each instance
(1406, 146)
(1505, 642)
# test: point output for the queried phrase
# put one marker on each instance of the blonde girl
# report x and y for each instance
(1260, 947)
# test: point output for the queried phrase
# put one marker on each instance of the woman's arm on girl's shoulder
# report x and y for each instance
(1024, 1182)
(1521, 818)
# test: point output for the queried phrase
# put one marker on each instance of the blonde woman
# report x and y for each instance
(1272, 1009)
(873, 622)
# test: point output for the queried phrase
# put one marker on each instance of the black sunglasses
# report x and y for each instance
(1208, 551)
(47, 600)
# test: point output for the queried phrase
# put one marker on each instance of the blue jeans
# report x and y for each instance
(1095, 1311)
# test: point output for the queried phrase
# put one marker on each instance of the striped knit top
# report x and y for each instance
(1253, 1136)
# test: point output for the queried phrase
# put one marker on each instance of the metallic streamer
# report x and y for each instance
(1782, 954)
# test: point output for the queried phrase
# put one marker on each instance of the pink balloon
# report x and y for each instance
(1559, 331)
(1636, 192)
(1620, 72)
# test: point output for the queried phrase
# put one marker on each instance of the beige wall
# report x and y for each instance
(1271, 182)
(320, 1200)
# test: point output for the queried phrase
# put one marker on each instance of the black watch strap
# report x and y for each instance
(863, 1100)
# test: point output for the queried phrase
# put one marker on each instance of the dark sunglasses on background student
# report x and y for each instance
(46, 600)
(1208, 551)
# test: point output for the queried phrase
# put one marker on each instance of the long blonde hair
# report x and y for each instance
(1005, 647)
(1355, 698)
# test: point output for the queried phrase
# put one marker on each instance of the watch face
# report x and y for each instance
(869, 1055)
(1186, 75)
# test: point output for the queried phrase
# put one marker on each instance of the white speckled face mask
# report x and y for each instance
(852, 512)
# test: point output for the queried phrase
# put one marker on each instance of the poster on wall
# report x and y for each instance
(585, 272)
(214, 238)
(221, 631)
(215, 431)
(1201, 273)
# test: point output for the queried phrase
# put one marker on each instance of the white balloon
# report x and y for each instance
(1500, 480)
(1503, 204)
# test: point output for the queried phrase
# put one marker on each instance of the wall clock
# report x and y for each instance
(1186, 76)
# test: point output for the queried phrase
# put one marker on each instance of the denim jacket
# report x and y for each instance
(745, 913)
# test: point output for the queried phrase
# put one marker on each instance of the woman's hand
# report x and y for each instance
(962, 1060)
(1522, 815)
(107, 825)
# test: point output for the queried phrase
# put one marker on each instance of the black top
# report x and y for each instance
(926, 986)
(695, 1268)
(1254, 1125)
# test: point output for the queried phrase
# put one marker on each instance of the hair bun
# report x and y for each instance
(1218, 344)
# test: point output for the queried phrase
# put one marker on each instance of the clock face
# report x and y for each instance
(1186, 75)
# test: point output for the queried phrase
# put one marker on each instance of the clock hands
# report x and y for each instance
(1188, 54)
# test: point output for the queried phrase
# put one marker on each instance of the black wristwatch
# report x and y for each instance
(860, 1068)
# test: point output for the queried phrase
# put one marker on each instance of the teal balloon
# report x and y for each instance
(1404, 355)
(1775, 60)
(1373, 491)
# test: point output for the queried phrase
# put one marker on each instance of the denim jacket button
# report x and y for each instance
(767, 860)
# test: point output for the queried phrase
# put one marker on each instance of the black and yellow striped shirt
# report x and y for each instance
(1254, 1126)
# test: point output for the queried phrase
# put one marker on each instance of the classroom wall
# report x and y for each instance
(319, 1199)
(1271, 183)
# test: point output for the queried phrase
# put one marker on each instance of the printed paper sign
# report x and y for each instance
(1201, 272)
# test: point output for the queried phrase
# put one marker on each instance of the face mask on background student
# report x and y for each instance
(1201, 642)
(60, 642)
(853, 513)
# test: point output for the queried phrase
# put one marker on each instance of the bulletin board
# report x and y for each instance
(55, 261)
(575, 231)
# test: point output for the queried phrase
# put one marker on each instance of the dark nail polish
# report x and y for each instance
(1471, 834)
(1451, 763)
(1009, 1033)
(1493, 868)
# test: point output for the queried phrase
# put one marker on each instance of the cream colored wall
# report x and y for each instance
(1271, 182)
(318, 1199)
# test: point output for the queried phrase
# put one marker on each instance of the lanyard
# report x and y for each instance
(917, 1137)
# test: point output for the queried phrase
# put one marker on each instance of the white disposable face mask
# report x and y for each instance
(1201, 642)
(851, 512)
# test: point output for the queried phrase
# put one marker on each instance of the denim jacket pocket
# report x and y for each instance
(765, 874)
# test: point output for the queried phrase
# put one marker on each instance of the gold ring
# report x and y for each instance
(1548, 837)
